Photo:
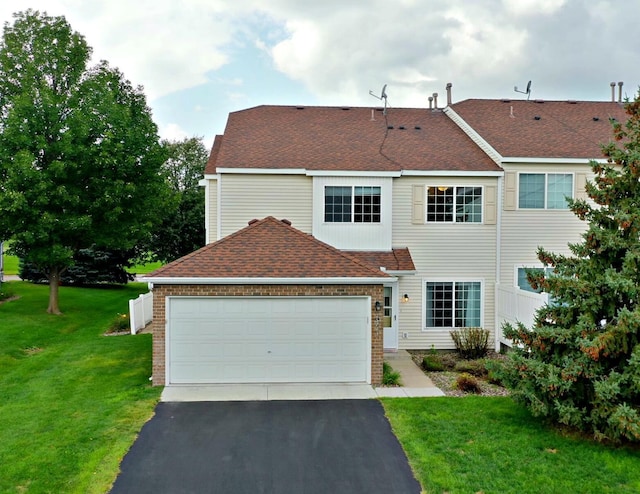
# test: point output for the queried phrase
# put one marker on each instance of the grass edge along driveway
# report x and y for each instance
(491, 445)
(74, 399)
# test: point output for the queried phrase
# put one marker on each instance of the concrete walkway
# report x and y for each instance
(415, 384)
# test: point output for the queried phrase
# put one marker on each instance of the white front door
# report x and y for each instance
(390, 337)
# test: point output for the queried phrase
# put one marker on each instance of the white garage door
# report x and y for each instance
(270, 339)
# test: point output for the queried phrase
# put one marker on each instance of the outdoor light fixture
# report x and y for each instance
(378, 305)
(405, 298)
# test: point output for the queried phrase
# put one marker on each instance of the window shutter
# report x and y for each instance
(490, 208)
(417, 210)
(581, 181)
(510, 189)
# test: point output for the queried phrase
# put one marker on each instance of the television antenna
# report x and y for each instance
(527, 91)
(383, 96)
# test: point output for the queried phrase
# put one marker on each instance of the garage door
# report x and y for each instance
(270, 339)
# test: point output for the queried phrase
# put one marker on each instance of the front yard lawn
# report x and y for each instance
(491, 445)
(73, 400)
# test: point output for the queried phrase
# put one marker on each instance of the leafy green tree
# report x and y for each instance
(79, 153)
(580, 363)
(182, 229)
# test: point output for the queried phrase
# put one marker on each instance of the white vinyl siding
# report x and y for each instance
(524, 230)
(247, 197)
(441, 251)
(211, 210)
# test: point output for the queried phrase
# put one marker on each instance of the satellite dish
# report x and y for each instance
(527, 92)
(383, 96)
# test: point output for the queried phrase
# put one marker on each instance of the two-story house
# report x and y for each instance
(445, 207)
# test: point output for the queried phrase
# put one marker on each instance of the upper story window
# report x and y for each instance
(454, 204)
(545, 190)
(352, 204)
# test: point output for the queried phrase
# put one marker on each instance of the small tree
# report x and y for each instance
(580, 363)
(79, 153)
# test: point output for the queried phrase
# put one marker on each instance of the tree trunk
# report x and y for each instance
(54, 284)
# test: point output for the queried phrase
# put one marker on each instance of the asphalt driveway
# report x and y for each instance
(303, 447)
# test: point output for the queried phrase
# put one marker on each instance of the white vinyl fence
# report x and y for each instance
(141, 311)
(515, 305)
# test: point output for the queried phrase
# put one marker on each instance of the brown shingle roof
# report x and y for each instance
(395, 260)
(346, 139)
(549, 129)
(268, 248)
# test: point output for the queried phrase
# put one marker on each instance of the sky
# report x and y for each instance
(198, 60)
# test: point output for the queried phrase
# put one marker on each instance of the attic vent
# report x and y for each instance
(539, 101)
(537, 117)
(390, 127)
(596, 119)
(572, 102)
(286, 222)
(299, 107)
(402, 127)
(417, 127)
(251, 222)
(346, 108)
(506, 100)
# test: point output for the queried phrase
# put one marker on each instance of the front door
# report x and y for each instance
(390, 320)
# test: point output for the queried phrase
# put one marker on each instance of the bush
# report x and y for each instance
(474, 367)
(467, 383)
(495, 371)
(120, 325)
(432, 364)
(90, 267)
(471, 343)
(389, 376)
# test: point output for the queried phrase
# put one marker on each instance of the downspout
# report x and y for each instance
(498, 261)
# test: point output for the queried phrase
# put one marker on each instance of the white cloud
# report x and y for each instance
(172, 132)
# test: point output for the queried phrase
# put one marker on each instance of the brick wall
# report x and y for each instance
(160, 292)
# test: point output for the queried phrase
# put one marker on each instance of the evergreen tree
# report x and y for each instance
(580, 363)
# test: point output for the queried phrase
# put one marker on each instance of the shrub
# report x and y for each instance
(432, 364)
(120, 325)
(495, 371)
(471, 343)
(389, 376)
(474, 367)
(467, 383)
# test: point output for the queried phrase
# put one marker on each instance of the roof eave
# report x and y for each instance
(170, 280)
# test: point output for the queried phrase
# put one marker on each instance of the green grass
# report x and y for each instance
(140, 269)
(10, 265)
(491, 445)
(73, 400)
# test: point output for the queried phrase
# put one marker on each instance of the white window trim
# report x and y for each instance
(546, 174)
(431, 329)
(453, 222)
(353, 209)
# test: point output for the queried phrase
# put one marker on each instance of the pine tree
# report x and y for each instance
(579, 364)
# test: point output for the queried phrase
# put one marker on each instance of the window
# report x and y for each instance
(522, 281)
(454, 204)
(352, 204)
(453, 304)
(545, 190)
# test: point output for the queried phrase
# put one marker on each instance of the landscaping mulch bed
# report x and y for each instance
(445, 380)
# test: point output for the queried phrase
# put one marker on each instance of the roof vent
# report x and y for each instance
(572, 102)
(299, 107)
(286, 222)
(402, 127)
(539, 101)
(596, 119)
(390, 127)
(251, 222)
(417, 127)
(346, 108)
(537, 117)
(506, 100)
